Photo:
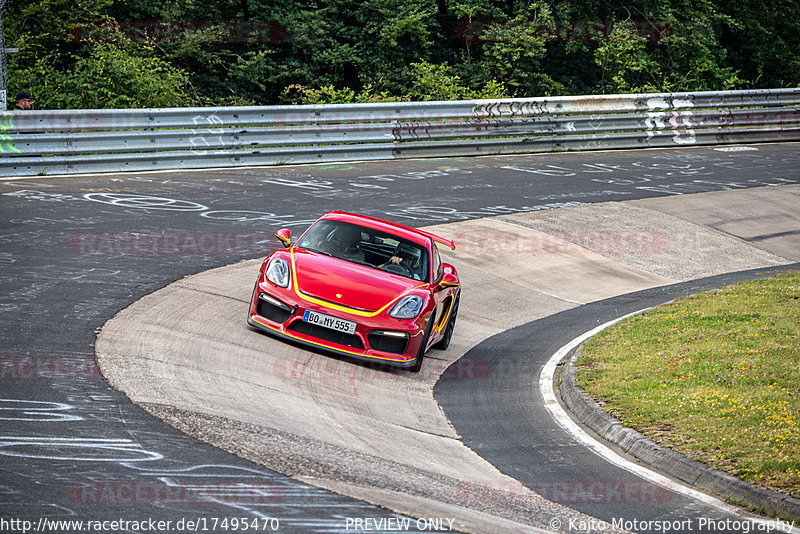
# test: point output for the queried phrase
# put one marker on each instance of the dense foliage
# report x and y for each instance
(161, 53)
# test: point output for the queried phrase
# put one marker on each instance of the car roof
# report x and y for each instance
(412, 234)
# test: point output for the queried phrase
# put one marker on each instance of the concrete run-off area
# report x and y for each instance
(186, 354)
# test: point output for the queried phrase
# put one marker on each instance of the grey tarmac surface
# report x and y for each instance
(77, 250)
(220, 375)
(502, 419)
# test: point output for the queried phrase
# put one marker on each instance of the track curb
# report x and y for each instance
(698, 475)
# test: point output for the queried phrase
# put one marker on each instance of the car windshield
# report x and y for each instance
(368, 247)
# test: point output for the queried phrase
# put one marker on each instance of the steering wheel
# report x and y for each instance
(352, 249)
(398, 268)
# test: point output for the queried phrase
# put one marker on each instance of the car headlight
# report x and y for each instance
(278, 272)
(408, 307)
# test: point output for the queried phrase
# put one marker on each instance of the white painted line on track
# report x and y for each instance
(564, 420)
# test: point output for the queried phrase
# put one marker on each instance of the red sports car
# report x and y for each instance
(359, 286)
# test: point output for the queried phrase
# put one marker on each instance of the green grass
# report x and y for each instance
(715, 376)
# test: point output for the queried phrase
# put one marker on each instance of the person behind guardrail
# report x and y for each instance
(23, 101)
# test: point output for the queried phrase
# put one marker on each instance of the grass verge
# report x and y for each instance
(714, 376)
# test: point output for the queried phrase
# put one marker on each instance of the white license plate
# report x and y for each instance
(340, 325)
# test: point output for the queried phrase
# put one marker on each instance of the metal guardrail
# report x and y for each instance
(93, 141)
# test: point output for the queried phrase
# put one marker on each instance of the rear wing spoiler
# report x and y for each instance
(438, 239)
(446, 242)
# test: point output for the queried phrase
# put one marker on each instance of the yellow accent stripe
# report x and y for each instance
(445, 316)
(339, 307)
(254, 318)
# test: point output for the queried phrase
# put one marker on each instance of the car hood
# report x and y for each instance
(347, 284)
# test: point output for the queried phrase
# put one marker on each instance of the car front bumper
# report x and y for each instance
(377, 338)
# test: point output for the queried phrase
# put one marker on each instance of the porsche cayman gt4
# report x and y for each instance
(359, 286)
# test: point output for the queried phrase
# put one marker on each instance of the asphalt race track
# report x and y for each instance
(503, 419)
(78, 250)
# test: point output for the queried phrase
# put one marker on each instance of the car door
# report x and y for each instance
(443, 296)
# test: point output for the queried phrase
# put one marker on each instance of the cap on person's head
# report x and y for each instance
(24, 95)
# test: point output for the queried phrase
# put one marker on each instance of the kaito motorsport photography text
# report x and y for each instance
(702, 524)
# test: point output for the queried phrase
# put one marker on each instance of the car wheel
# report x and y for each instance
(421, 353)
(451, 324)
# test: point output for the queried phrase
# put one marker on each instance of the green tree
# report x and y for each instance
(627, 65)
(75, 56)
(103, 53)
(665, 46)
(513, 50)
(764, 41)
(116, 74)
(437, 82)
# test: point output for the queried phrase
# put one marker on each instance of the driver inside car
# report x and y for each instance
(406, 257)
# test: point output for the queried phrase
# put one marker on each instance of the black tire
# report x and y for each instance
(451, 324)
(421, 353)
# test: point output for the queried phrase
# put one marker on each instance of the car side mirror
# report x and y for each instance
(285, 236)
(449, 278)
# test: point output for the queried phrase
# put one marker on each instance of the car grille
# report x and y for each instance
(388, 343)
(272, 312)
(320, 332)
